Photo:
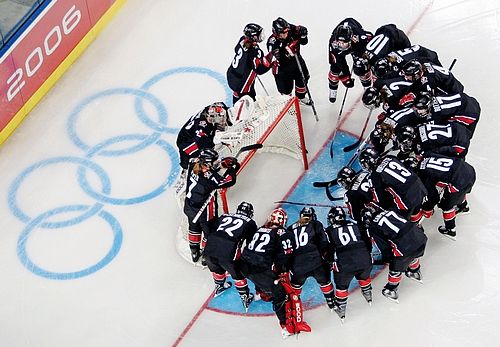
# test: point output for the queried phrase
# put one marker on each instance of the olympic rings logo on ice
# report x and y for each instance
(103, 195)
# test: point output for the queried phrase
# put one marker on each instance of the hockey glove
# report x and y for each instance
(230, 162)
(347, 81)
(302, 31)
(360, 66)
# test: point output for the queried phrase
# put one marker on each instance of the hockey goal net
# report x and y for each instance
(273, 121)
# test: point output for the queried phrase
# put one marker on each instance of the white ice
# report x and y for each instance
(148, 295)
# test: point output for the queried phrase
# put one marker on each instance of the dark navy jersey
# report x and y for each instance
(403, 186)
(422, 54)
(394, 91)
(453, 174)
(452, 139)
(358, 195)
(437, 79)
(248, 62)
(269, 246)
(404, 237)
(309, 244)
(387, 38)
(458, 107)
(348, 247)
(232, 229)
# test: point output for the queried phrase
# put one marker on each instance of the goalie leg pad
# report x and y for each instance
(294, 313)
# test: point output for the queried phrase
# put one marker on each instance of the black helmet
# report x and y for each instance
(254, 32)
(368, 158)
(336, 216)
(280, 26)
(346, 177)
(406, 138)
(208, 157)
(423, 103)
(413, 69)
(371, 98)
(308, 212)
(343, 33)
(381, 68)
(245, 208)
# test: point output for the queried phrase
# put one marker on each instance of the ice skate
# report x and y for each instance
(450, 233)
(367, 294)
(219, 289)
(340, 311)
(391, 294)
(333, 95)
(415, 275)
(306, 101)
(246, 300)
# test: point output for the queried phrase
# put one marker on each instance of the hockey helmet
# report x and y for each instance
(245, 208)
(278, 217)
(209, 157)
(381, 67)
(336, 216)
(423, 103)
(346, 177)
(308, 212)
(406, 138)
(371, 98)
(342, 36)
(254, 32)
(413, 70)
(280, 26)
(368, 158)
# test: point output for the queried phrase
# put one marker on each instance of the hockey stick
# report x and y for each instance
(262, 85)
(452, 64)
(205, 204)
(358, 142)
(307, 88)
(338, 122)
(304, 203)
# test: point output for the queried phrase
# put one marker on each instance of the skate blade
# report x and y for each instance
(396, 301)
(453, 238)
(414, 279)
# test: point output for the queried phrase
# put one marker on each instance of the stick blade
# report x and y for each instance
(325, 184)
(352, 146)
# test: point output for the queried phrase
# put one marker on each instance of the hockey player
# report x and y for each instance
(199, 131)
(455, 178)
(394, 187)
(223, 250)
(203, 180)
(407, 242)
(451, 140)
(309, 247)
(460, 108)
(348, 37)
(356, 196)
(427, 77)
(350, 259)
(271, 248)
(248, 62)
(285, 44)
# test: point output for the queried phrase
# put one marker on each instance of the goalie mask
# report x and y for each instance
(245, 208)
(216, 114)
(278, 217)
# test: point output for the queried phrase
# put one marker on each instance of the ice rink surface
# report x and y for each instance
(89, 219)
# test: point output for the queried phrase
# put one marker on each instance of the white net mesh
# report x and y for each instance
(273, 121)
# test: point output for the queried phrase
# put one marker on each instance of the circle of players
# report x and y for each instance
(427, 119)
